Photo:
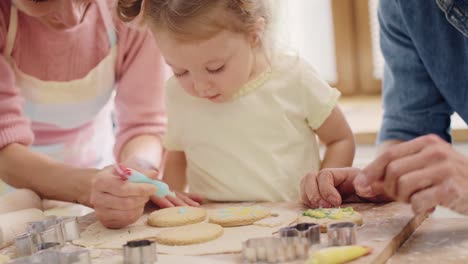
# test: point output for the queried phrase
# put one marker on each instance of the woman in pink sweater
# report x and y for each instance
(64, 66)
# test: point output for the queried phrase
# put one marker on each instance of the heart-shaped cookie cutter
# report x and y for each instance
(51, 232)
(341, 234)
(140, 252)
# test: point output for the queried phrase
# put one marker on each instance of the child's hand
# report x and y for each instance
(181, 199)
(117, 202)
(327, 187)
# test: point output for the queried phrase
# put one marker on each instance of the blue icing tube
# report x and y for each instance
(162, 188)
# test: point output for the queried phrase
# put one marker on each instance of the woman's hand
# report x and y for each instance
(118, 202)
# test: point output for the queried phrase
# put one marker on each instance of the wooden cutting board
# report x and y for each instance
(385, 228)
(436, 241)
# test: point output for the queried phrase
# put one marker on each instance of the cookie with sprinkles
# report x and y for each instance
(325, 216)
(238, 216)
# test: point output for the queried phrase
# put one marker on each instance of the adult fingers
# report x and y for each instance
(423, 201)
(418, 180)
(117, 218)
(108, 201)
(375, 171)
(118, 187)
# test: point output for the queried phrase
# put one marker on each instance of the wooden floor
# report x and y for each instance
(364, 113)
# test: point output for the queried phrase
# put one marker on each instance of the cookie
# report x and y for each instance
(189, 234)
(325, 216)
(176, 216)
(239, 216)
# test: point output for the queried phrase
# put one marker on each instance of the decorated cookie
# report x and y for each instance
(176, 216)
(189, 234)
(325, 216)
(239, 216)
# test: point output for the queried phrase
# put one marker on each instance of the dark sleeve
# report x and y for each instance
(413, 105)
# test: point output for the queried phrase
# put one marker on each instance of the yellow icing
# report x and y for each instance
(335, 213)
(317, 214)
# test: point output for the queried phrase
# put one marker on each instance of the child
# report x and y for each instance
(243, 119)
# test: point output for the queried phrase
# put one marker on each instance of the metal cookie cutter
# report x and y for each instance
(309, 231)
(341, 234)
(274, 249)
(54, 256)
(44, 234)
(140, 252)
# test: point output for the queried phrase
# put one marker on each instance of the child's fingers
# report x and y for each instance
(161, 202)
(304, 197)
(327, 189)
(195, 197)
(311, 190)
(189, 201)
(177, 201)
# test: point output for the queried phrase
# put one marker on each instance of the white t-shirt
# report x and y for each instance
(258, 146)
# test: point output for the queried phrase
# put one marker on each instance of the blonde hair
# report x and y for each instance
(196, 19)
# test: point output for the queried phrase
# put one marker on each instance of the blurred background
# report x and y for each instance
(341, 39)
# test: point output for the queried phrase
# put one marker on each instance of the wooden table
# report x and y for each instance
(386, 227)
(436, 241)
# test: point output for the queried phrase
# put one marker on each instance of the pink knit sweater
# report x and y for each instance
(53, 55)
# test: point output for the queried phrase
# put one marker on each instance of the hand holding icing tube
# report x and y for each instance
(162, 189)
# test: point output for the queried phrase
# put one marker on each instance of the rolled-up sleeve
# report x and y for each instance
(413, 105)
(140, 107)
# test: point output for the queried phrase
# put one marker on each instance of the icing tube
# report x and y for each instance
(162, 189)
(14, 223)
(18, 200)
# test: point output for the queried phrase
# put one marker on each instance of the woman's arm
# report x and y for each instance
(140, 111)
(22, 168)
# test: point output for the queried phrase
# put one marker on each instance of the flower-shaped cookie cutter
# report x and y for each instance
(274, 249)
(341, 234)
(51, 232)
(309, 231)
(139, 251)
(56, 256)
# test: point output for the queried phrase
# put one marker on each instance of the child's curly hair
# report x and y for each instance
(196, 19)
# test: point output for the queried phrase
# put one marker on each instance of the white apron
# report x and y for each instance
(80, 108)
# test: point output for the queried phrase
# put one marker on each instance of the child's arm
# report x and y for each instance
(338, 138)
(175, 171)
(326, 187)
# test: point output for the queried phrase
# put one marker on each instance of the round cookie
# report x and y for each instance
(325, 216)
(239, 216)
(189, 234)
(176, 216)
